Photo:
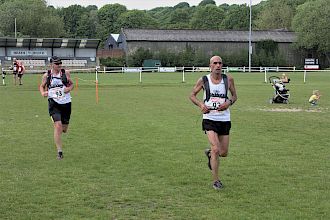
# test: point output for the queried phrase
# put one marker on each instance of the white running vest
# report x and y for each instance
(217, 97)
(56, 90)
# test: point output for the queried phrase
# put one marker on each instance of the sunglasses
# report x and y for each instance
(58, 63)
(215, 63)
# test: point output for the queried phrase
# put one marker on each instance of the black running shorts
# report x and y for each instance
(220, 127)
(59, 112)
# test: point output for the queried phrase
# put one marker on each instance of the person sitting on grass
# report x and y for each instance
(314, 97)
(285, 78)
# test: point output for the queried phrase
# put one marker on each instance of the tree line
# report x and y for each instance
(310, 19)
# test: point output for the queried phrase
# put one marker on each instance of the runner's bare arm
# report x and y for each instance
(193, 96)
(42, 87)
(70, 84)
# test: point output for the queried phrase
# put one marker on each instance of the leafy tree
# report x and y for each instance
(180, 18)
(186, 57)
(239, 58)
(207, 17)
(207, 2)
(270, 47)
(108, 16)
(34, 19)
(264, 59)
(91, 8)
(275, 15)
(136, 19)
(87, 25)
(137, 58)
(72, 16)
(167, 58)
(225, 6)
(237, 17)
(50, 27)
(112, 61)
(162, 15)
(200, 59)
(182, 5)
(311, 24)
(8, 12)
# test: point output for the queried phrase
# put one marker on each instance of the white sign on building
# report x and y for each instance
(35, 53)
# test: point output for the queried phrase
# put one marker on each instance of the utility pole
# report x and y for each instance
(15, 29)
(250, 36)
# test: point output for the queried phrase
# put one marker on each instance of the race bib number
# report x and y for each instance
(57, 93)
(214, 103)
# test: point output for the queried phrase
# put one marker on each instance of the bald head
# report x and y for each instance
(215, 59)
(216, 65)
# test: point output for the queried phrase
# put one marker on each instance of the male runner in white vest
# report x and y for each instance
(56, 85)
(216, 115)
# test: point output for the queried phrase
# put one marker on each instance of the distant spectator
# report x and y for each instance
(20, 72)
(285, 78)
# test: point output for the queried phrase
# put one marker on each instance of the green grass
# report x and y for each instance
(138, 153)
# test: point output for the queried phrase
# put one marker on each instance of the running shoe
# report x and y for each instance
(217, 185)
(60, 155)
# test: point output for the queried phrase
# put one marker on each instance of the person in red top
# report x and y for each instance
(20, 72)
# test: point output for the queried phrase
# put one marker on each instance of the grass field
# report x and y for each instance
(139, 152)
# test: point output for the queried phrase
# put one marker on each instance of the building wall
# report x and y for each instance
(292, 56)
(110, 43)
(113, 53)
(36, 52)
(207, 47)
(64, 52)
(26, 53)
(80, 52)
(2, 52)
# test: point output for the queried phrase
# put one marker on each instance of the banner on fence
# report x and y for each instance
(167, 69)
(202, 69)
(132, 70)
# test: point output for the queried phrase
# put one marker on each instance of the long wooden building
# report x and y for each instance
(208, 41)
